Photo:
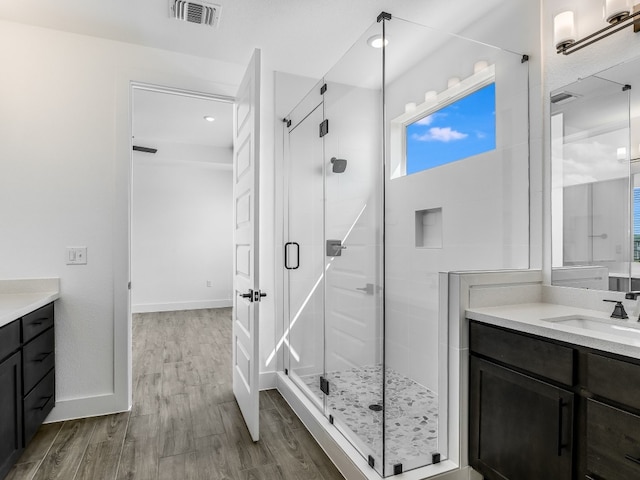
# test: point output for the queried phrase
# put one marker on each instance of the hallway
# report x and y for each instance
(184, 424)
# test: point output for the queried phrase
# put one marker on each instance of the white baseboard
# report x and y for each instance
(85, 407)
(174, 306)
(268, 380)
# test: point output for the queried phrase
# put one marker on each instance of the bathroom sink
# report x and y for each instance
(613, 327)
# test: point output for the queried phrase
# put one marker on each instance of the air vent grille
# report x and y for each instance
(563, 97)
(196, 12)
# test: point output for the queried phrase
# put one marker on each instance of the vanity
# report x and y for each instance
(27, 363)
(554, 392)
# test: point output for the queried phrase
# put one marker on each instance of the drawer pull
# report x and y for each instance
(561, 405)
(39, 321)
(44, 404)
(41, 358)
(632, 459)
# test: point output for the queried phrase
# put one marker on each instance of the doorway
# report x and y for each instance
(181, 200)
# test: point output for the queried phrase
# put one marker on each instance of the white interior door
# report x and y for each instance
(246, 143)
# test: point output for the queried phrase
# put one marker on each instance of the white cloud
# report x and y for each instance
(446, 134)
(428, 120)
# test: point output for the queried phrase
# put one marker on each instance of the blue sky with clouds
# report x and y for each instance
(465, 128)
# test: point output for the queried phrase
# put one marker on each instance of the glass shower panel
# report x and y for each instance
(353, 233)
(304, 249)
(457, 198)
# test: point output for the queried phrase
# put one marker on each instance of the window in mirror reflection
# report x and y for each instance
(636, 221)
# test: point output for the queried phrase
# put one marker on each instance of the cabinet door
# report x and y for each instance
(520, 428)
(10, 412)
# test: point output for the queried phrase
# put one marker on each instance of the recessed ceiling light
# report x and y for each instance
(376, 41)
(209, 118)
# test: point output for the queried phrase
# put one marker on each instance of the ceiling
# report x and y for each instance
(169, 118)
(304, 37)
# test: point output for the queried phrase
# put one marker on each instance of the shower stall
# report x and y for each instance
(393, 173)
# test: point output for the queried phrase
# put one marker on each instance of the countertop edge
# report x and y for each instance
(35, 301)
(492, 316)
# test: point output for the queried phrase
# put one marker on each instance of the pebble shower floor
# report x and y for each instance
(410, 414)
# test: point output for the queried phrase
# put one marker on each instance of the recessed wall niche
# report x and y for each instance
(429, 228)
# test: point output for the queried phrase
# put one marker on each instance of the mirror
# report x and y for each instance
(595, 181)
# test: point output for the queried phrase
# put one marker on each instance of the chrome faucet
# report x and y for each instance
(636, 309)
(618, 310)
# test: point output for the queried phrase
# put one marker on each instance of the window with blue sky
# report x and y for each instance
(462, 129)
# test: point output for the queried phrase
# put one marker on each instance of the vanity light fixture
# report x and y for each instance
(618, 13)
(209, 118)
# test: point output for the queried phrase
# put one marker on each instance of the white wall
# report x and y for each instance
(484, 202)
(181, 239)
(65, 148)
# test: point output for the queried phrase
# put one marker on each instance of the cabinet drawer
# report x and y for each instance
(613, 442)
(614, 379)
(37, 322)
(9, 339)
(38, 358)
(537, 356)
(38, 404)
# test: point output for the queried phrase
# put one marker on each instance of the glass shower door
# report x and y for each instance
(304, 260)
(353, 239)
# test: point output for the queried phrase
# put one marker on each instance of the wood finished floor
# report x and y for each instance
(184, 424)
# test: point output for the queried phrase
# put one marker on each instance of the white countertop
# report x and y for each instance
(19, 297)
(530, 318)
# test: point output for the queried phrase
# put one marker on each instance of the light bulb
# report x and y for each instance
(480, 65)
(615, 10)
(564, 29)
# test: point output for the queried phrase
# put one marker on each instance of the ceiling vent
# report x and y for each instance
(564, 97)
(196, 12)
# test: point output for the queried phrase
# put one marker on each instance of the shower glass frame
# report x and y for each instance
(401, 316)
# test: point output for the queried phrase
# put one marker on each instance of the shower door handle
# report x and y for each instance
(286, 255)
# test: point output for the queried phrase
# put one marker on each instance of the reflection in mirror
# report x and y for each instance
(591, 199)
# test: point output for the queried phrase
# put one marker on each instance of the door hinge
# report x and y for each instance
(323, 89)
(397, 469)
(324, 385)
(129, 285)
(371, 461)
(258, 295)
(324, 127)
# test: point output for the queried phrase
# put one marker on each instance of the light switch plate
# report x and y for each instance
(76, 255)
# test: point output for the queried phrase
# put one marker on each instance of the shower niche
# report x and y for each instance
(365, 336)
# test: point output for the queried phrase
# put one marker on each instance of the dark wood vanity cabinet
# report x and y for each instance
(541, 408)
(10, 397)
(521, 425)
(27, 381)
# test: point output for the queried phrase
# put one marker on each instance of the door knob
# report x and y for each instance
(248, 295)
